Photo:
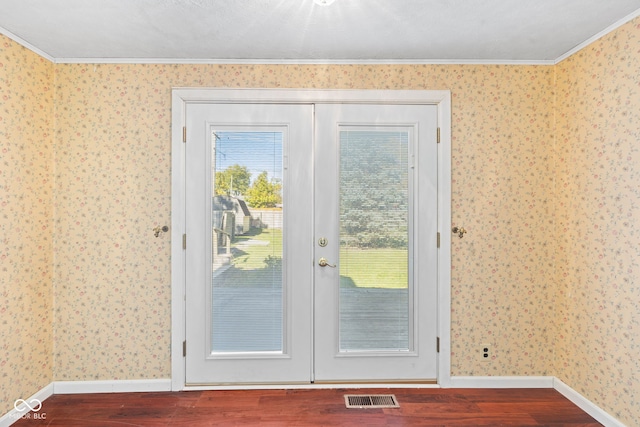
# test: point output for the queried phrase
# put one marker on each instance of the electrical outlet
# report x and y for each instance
(485, 352)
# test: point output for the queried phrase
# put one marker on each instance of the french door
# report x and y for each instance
(375, 192)
(310, 243)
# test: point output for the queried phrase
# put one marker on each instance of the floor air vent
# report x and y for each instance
(371, 401)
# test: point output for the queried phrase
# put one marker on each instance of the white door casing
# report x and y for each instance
(182, 98)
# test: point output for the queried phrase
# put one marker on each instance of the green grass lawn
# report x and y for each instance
(373, 268)
(362, 268)
(248, 256)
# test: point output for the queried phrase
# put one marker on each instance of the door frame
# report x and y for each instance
(183, 96)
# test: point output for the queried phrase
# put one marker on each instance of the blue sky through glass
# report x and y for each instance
(258, 151)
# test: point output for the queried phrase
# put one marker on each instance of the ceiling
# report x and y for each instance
(483, 31)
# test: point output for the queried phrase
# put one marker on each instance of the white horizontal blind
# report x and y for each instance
(374, 239)
(247, 212)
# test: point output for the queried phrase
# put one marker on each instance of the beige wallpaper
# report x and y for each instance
(26, 168)
(113, 187)
(598, 220)
(544, 180)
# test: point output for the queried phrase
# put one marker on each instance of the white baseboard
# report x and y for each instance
(115, 386)
(586, 405)
(501, 382)
(538, 382)
(14, 415)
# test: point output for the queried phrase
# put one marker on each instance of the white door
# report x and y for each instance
(376, 233)
(356, 186)
(248, 279)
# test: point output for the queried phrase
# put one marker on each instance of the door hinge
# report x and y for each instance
(438, 345)
(184, 241)
(184, 134)
(438, 136)
(184, 349)
(438, 240)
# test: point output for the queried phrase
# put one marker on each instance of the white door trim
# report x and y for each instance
(182, 96)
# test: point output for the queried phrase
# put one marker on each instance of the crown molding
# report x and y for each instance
(187, 61)
(26, 44)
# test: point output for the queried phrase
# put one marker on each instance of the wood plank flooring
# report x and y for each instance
(317, 407)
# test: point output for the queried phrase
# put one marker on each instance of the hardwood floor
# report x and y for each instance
(318, 407)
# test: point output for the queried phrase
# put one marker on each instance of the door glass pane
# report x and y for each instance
(247, 251)
(374, 239)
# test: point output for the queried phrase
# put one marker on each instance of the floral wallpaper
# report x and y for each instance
(598, 222)
(26, 215)
(113, 187)
(544, 163)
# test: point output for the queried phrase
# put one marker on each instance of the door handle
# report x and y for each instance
(322, 262)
